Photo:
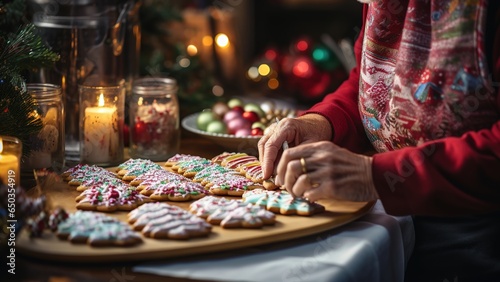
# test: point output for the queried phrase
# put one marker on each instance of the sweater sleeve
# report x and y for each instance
(450, 176)
(341, 108)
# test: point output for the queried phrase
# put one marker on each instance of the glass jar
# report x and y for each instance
(102, 116)
(47, 146)
(154, 119)
(95, 39)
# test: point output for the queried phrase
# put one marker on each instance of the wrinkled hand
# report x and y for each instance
(302, 130)
(331, 173)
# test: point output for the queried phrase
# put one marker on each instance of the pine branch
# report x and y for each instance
(16, 113)
(24, 51)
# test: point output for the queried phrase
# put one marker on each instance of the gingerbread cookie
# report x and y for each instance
(109, 198)
(189, 168)
(136, 167)
(218, 159)
(282, 202)
(84, 172)
(209, 172)
(96, 230)
(232, 213)
(231, 185)
(225, 160)
(248, 166)
(179, 157)
(69, 171)
(152, 174)
(236, 162)
(177, 191)
(163, 221)
(97, 180)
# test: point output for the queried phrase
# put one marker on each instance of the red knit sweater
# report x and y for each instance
(417, 171)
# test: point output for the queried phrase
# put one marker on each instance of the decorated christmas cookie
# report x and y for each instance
(178, 191)
(163, 221)
(96, 229)
(282, 202)
(210, 172)
(109, 197)
(232, 213)
(136, 167)
(179, 157)
(83, 172)
(99, 180)
(189, 168)
(231, 185)
(153, 175)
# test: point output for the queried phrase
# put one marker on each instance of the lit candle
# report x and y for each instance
(101, 134)
(9, 167)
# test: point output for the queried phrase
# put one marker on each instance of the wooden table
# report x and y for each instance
(30, 269)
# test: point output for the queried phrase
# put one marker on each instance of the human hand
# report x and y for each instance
(326, 172)
(302, 130)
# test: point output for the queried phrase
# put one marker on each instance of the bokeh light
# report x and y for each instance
(191, 50)
(273, 83)
(253, 73)
(217, 90)
(184, 62)
(264, 69)
(207, 40)
(302, 45)
(222, 40)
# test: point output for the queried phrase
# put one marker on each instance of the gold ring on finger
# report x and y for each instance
(303, 164)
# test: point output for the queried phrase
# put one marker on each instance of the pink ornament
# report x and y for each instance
(231, 115)
(242, 132)
(236, 124)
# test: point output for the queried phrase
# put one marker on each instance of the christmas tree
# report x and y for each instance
(20, 52)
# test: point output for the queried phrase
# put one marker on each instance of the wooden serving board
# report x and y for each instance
(49, 247)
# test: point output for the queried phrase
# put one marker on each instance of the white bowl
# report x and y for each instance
(247, 144)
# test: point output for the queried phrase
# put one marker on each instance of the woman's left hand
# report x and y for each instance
(323, 170)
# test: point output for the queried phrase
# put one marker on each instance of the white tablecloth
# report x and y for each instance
(375, 247)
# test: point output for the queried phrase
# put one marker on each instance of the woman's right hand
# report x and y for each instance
(308, 128)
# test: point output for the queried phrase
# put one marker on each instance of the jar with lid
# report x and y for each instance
(154, 118)
(47, 146)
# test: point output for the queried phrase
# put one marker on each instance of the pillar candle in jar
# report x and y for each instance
(100, 130)
(9, 167)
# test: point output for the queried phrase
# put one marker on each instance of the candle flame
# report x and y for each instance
(1, 145)
(101, 100)
(222, 40)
